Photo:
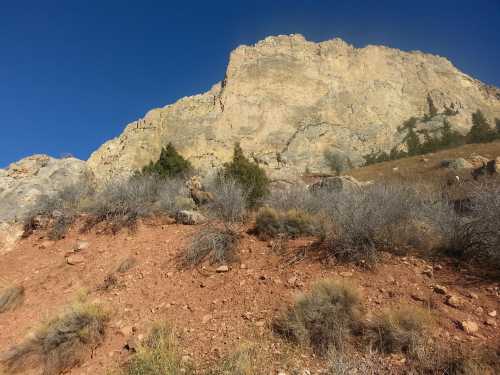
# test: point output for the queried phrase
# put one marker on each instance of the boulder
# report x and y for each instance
(457, 164)
(188, 217)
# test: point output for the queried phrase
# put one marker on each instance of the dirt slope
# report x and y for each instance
(215, 313)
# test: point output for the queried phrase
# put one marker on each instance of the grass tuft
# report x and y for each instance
(62, 343)
(324, 319)
(11, 297)
(217, 245)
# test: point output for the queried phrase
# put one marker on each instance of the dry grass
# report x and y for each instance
(62, 343)
(400, 331)
(218, 245)
(249, 360)
(456, 360)
(324, 319)
(270, 223)
(157, 355)
(11, 297)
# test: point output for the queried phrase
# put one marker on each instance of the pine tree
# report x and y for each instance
(248, 174)
(481, 131)
(170, 164)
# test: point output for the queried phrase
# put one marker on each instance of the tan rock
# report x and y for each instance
(469, 326)
(222, 269)
(75, 259)
(492, 313)
(454, 301)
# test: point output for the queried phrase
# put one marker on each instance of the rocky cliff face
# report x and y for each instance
(36, 177)
(291, 103)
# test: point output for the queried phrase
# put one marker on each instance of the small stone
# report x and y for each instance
(490, 322)
(439, 289)
(345, 274)
(438, 267)
(428, 272)
(188, 217)
(81, 245)
(126, 331)
(74, 260)
(206, 319)
(454, 301)
(492, 313)
(260, 323)
(418, 297)
(469, 326)
(472, 295)
(292, 281)
(222, 269)
(243, 266)
(479, 310)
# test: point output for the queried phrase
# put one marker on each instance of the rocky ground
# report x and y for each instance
(216, 312)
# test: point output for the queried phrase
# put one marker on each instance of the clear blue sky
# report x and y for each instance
(73, 73)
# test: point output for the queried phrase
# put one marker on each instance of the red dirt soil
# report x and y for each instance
(215, 313)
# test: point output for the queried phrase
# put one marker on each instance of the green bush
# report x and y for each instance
(481, 131)
(249, 175)
(170, 164)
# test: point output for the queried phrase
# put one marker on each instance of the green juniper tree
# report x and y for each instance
(248, 174)
(170, 164)
(481, 131)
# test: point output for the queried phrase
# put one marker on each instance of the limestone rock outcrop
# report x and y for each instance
(290, 102)
(35, 177)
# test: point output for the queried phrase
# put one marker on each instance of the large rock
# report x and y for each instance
(23, 183)
(293, 103)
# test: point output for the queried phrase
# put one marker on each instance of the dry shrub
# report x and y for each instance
(11, 297)
(457, 360)
(60, 211)
(230, 201)
(476, 233)
(62, 343)
(126, 265)
(157, 355)
(216, 244)
(324, 319)
(347, 363)
(121, 203)
(270, 223)
(249, 360)
(377, 217)
(400, 331)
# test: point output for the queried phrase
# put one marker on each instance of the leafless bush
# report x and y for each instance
(476, 233)
(325, 319)
(229, 203)
(173, 196)
(11, 297)
(373, 218)
(217, 245)
(59, 210)
(296, 198)
(62, 342)
(121, 203)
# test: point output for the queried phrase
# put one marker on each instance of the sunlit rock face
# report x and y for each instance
(291, 103)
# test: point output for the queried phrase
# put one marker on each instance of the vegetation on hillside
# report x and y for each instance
(480, 132)
(251, 177)
(169, 164)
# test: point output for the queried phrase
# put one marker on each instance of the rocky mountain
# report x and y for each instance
(291, 103)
